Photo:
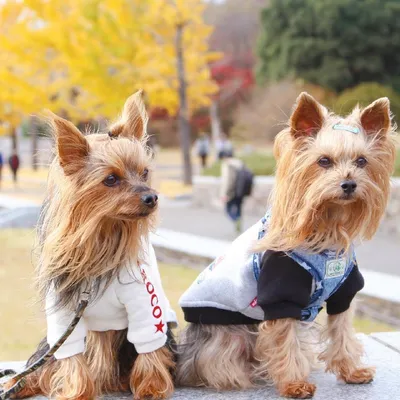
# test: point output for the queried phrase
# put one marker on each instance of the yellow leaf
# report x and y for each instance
(101, 50)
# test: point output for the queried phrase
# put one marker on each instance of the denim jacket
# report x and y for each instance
(230, 282)
(328, 269)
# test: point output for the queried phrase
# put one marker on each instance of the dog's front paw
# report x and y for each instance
(298, 390)
(151, 375)
(359, 376)
(7, 386)
(24, 392)
(152, 392)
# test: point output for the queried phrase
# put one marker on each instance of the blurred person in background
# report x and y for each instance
(203, 148)
(13, 162)
(224, 147)
(236, 184)
(1, 166)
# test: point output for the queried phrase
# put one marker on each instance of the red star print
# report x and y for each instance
(159, 327)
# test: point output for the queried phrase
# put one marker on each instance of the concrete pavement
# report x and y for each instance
(382, 351)
(381, 254)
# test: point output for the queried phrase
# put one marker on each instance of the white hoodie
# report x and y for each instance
(135, 300)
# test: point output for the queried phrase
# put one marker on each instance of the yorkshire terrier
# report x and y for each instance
(94, 234)
(247, 311)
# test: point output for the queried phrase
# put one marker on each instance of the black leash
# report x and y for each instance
(20, 378)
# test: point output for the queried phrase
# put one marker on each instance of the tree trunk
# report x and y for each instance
(184, 125)
(34, 135)
(215, 125)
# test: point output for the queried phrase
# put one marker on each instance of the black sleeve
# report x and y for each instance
(284, 287)
(341, 299)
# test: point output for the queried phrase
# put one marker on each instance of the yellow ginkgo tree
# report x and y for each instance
(180, 36)
(26, 85)
(17, 88)
(106, 49)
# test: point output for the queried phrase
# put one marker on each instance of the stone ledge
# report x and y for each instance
(186, 249)
(12, 202)
(382, 349)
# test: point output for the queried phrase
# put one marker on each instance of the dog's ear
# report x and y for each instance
(375, 119)
(72, 146)
(133, 122)
(307, 117)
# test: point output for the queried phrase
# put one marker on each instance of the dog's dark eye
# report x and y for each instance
(145, 174)
(325, 162)
(111, 180)
(361, 162)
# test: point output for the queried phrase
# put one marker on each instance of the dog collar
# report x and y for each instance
(348, 128)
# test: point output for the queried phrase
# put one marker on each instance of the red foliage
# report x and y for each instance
(234, 77)
(158, 113)
(201, 120)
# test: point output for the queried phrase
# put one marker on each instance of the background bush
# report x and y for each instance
(269, 108)
(335, 44)
(364, 94)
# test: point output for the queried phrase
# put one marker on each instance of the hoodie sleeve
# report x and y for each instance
(145, 304)
(57, 323)
(284, 287)
(340, 300)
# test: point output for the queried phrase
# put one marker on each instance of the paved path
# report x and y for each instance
(382, 349)
(381, 254)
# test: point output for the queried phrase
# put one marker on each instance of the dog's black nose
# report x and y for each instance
(348, 186)
(150, 200)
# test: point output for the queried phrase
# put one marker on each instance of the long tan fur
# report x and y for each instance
(79, 237)
(83, 232)
(344, 351)
(282, 358)
(151, 375)
(309, 211)
(217, 356)
(305, 213)
(69, 379)
(88, 231)
(101, 355)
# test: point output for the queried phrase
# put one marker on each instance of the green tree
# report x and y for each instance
(332, 43)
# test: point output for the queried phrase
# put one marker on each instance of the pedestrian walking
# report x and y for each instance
(236, 184)
(224, 147)
(203, 148)
(13, 162)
